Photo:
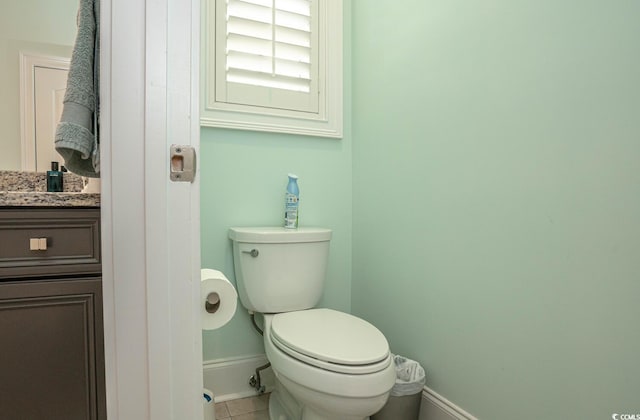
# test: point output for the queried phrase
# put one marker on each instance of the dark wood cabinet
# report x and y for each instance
(51, 327)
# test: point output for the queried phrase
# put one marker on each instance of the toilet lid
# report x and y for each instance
(332, 338)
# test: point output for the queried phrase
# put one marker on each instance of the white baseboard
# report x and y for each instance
(436, 407)
(228, 378)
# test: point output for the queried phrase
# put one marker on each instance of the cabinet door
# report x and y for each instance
(51, 350)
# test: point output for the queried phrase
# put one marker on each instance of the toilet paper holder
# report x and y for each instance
(212, 303)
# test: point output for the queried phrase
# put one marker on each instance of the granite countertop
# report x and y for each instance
(48, 199)
(28, 189)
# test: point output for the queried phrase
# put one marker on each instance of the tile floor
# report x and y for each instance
(251, 408)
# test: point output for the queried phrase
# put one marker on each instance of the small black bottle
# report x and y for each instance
(54, 178)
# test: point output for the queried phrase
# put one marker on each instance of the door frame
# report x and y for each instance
(150, 226)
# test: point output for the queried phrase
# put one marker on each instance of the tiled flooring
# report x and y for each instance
(252, 408)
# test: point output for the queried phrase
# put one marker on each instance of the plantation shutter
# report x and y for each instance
(269, 54)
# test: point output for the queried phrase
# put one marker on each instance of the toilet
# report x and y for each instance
(328, 364)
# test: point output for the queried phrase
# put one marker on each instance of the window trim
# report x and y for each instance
(326, 123)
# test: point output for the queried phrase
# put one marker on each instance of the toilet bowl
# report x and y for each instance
(334, 364)
(328, 364)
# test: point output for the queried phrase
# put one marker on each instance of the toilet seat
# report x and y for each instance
(331, 340)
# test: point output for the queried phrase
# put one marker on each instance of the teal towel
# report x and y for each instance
(77, 138)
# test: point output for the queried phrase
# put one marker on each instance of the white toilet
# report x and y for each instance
(328, 365)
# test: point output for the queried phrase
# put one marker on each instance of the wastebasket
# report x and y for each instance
(209, 405)
(406, 394)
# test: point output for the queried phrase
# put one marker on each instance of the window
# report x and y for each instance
(273, 65)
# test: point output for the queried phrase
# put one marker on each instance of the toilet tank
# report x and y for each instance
(278, 269)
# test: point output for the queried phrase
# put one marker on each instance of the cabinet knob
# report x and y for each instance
(37, 244)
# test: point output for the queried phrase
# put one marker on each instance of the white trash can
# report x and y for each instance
(209, 405)
(406, 395)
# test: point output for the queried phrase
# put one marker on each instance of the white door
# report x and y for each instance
(50, 85)
(43, 81)
(150, 225)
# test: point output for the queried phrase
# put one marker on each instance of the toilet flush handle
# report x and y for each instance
(254, 252)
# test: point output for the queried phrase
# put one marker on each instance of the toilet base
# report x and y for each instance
(314, 409)
(282, 405)
(276, 410)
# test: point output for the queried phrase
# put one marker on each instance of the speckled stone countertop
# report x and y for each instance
(29, 189)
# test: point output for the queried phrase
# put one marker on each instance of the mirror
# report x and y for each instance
(40, 28)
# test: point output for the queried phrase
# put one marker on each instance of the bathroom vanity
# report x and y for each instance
(51, 327)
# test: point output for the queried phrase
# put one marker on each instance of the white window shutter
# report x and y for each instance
(267, 54)
(273, 65)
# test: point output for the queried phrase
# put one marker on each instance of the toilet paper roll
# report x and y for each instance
(218, 299)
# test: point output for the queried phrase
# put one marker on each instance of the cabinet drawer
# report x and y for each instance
(49, 242)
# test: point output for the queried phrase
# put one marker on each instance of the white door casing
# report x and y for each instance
(150, 226)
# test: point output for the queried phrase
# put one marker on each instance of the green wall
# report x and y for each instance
(491, 154)
(244, 176)
(243, 180)
(44, 27)
(496, 229)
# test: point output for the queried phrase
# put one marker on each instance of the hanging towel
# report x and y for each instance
(77, 133)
